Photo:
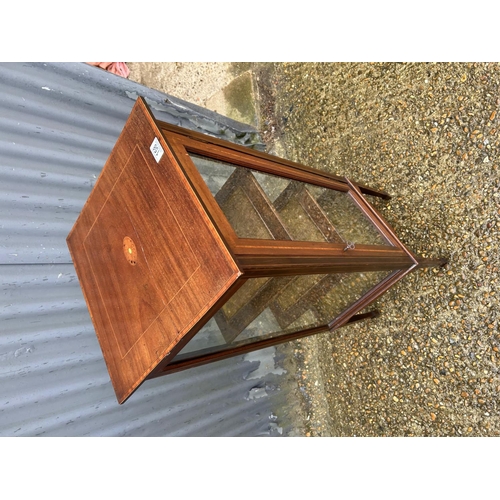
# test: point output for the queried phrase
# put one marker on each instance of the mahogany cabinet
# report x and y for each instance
(191, 249)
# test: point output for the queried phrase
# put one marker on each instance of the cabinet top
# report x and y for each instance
(150, 262)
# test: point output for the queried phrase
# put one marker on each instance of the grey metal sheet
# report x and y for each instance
(58, 123)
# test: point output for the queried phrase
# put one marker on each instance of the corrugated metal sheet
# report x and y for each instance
(58, 123)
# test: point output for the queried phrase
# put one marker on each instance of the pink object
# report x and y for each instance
(118, 68)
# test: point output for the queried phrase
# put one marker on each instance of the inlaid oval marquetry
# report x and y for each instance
(130, 250)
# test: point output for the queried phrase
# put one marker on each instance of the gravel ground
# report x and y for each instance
(428, 134)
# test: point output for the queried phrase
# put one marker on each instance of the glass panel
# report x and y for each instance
(243, 217)
(209, 336)
(214, 173)
(266, 206)
(270, 307)
(343, 212)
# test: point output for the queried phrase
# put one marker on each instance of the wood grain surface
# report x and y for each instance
(142, 310)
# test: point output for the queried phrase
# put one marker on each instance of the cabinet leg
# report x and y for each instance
(431, 263)
(359, 317)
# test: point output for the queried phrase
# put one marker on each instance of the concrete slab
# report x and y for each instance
(226, 88)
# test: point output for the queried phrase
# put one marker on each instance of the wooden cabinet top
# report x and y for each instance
(149, 260)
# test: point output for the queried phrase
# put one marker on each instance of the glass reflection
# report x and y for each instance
(265, 206)
(268, 307)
